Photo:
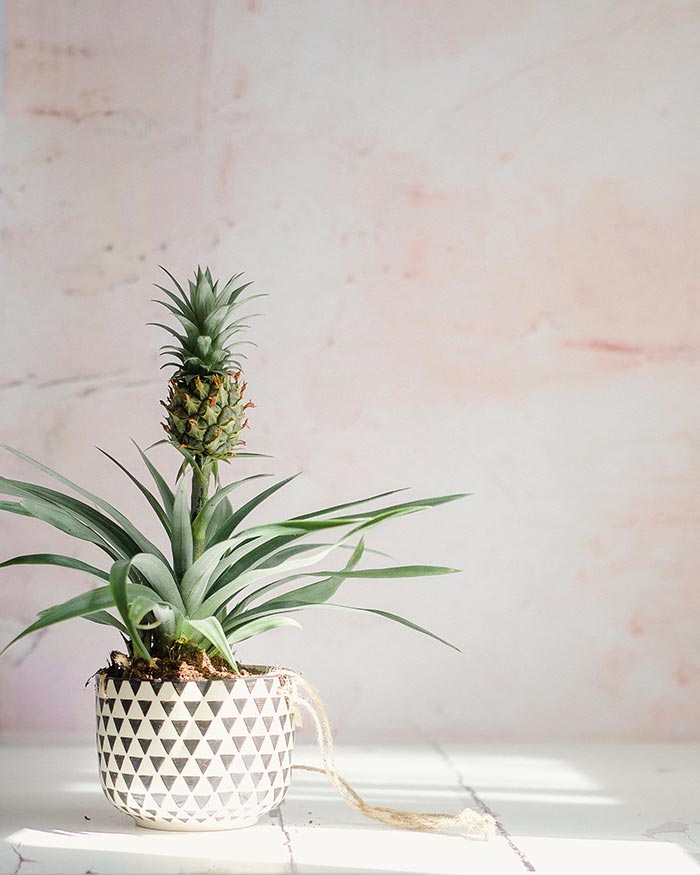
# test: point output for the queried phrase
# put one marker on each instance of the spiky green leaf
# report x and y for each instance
(166, 493)
(57, 560)
(182, 543)
(119, 586)
(205, 516)
(82, 605)
(147, 494)
(258, 626)
(229, 526)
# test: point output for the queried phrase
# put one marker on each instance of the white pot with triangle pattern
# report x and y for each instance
(194, 755)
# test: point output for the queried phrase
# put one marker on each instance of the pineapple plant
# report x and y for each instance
(217, 583)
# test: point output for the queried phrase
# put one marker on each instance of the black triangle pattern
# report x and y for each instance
(215, 752)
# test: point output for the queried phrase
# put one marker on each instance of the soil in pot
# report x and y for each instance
(180, 662)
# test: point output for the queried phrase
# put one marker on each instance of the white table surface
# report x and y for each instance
(563, 809)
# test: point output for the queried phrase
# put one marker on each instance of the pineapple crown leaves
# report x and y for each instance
(208, 330)
(223, 595)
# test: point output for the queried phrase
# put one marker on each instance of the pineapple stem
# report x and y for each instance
(201, 475)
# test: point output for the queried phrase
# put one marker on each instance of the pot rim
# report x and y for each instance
(269, 672)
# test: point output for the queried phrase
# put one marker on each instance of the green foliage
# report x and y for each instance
(217, 583)
(222, 597)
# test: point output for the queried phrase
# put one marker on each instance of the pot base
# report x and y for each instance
(163, 825)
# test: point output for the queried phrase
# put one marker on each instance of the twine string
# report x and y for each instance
(477, 825)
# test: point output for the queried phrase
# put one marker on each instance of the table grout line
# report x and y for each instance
(485, 809)
(276, 814)
(20, 859)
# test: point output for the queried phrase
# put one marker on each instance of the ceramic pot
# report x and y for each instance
(194, 755)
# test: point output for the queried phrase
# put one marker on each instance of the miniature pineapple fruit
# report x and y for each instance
(206, 411)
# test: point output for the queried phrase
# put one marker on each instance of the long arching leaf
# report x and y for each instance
(91, 602)
(14, 507)
(166, 493)
(336, 507)
(257, 627)
(104, 618)
(396, 619)
(147, 494)
(224, 594)
(125, 524)
(58, 560)
(119, 587)
(252, 576)
(181, 536)
(252, 558)
(205, 516)
(393, 572)
(93, 519)
(418, 504)
(67, 523)
(386, 614)
(226, 530)
(311, 594)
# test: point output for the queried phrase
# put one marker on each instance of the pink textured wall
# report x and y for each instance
(478, 224)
